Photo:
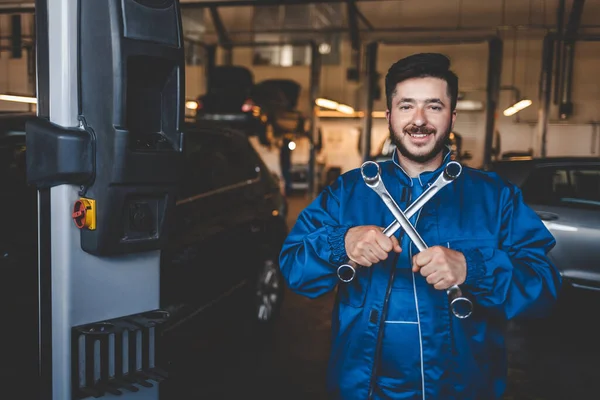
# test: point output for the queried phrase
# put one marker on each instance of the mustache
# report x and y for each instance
(419, 130)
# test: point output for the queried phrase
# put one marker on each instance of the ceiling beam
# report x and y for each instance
(257, 3)
(364, 20)
(19, 8)
(353, 25)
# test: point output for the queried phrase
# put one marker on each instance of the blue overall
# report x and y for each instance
(393, 334)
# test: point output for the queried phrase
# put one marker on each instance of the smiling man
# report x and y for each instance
(394, 335)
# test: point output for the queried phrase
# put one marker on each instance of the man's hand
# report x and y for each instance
(442, 267)
(367, 245)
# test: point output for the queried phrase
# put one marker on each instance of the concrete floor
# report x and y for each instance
(553, 359)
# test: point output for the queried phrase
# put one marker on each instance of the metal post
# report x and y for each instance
(315, 81)
(227, 55)
(495, 47)
(545, 91)
(565, 108)
(209, 64)
(560, 17)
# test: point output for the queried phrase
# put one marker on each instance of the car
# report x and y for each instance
(267, 110)
(228, 102)
(220, 263)
(230, 226)
(565, 193)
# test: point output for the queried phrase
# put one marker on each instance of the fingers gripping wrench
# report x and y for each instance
(461, 306)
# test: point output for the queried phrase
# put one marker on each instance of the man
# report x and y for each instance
(394, 336)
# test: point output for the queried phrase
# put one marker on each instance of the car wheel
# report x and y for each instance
(269, 292)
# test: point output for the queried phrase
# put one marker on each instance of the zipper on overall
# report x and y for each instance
(383, 315)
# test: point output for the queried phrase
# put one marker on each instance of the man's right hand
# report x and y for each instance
(367, 245)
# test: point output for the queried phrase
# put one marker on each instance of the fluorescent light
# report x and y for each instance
(343, 108)
(469, 105)
(326, 103)
(515, 108)
(18, 99)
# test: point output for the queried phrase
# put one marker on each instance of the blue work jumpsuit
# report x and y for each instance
(393, 334)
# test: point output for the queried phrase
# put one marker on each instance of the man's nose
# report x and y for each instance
(419, 118)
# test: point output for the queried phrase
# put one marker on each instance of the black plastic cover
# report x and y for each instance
(57, 155)
(132, 100)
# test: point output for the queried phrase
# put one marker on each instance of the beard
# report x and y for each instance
(438, 147)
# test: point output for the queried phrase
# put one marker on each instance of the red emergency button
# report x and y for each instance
(84, 214)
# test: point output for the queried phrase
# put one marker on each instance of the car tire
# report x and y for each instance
(269, 290)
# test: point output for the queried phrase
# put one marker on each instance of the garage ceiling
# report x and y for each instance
(375, 18)
(389, 18)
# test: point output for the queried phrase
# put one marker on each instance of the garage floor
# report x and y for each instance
(554, 359)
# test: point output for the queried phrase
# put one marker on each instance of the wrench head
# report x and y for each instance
(370, 172)
(452, 171)
(346, 273)
(461, 307)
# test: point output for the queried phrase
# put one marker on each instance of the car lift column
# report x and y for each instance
(100, 229)
(369, 83)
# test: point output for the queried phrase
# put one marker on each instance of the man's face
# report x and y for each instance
(420, 117)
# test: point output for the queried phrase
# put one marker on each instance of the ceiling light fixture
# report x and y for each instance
(18, 99)
(345, 109)
(326, 103)
(515, 108)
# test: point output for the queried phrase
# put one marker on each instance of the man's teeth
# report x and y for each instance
(418, 135)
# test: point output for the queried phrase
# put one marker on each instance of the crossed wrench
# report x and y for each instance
(461, 306)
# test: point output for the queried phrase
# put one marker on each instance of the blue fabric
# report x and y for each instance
(425, 352)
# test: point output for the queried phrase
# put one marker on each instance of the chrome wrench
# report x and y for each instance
(461, 306)
(346, 272)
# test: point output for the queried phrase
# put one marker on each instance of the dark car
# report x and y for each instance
(230, 228)
(221, 262)
(565, 192)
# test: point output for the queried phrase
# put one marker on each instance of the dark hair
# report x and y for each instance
(420, 66)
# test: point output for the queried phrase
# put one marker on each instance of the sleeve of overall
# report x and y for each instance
(315, 246)
(517, 278)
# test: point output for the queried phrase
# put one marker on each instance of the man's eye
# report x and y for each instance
(405, 107)
(436, 108)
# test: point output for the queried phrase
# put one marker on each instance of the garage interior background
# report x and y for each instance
(425, 25)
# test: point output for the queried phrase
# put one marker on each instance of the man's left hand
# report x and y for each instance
(441, 266)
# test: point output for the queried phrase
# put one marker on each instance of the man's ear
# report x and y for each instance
(387, 115)
(453, 119)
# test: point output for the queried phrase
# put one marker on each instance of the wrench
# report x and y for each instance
(461, 306)
(346, 272)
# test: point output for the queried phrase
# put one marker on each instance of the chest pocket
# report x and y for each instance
(464, 243)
